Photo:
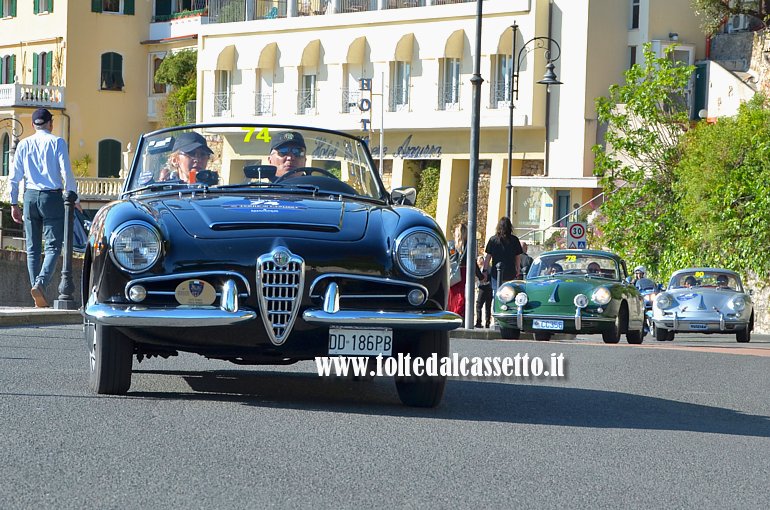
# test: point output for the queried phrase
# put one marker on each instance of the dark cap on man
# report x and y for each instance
(41, 116)
(287, 138)
(191, 141)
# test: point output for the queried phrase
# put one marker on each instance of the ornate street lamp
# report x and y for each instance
(548, 79)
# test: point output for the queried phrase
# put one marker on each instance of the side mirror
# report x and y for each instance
(404, 196)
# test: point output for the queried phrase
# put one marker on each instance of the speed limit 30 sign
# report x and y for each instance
(576, 235)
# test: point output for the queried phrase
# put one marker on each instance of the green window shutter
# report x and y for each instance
(1, 10)
(47, 79)
(11, 78)
(162, 7)
(35, 6)
(50, 5)
(109, 158)
(35, 62)
(96, 5)
(128, 6)
(13, 8)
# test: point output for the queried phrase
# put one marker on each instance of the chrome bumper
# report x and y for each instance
(186, 317)
(578, 318)
(715, 322)
(136, 315)
(440, 321)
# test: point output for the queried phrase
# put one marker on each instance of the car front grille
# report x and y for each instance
(280, 281)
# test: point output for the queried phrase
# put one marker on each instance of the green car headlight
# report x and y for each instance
(419, 252)
(505, 293)
(135, 246)
(601, 296)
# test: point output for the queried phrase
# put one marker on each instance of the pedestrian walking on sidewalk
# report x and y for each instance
(43, 161)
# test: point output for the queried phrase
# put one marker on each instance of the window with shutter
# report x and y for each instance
(109, 158)
(6, 166)
(112, 71)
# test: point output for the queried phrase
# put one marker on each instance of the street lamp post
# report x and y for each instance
(548, 79)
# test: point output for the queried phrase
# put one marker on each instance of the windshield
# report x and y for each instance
(271, 156)
(575, 264)
(699, 278)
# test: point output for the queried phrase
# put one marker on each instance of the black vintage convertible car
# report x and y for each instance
(262, 244)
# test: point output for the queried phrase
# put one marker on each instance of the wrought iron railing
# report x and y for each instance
(312, 7)
(402, 4)
(306, 102)
(350, 98)
(357, 5)
(230, 11)
(263, 104)
(449, 96)
(399, 98)
(197, 8)
(222, 104)
(500, 95)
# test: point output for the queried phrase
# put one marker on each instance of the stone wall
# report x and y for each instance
(14, 284)
(760, 297)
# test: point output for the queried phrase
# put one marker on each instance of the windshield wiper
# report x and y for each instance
(162, 186)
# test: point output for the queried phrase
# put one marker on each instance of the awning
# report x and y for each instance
(311, 54)
(455, 45)
(356, 51)
(226, 59)
(267, 56)
(404, 49)
(442, 43)
(554, 182)
(504, 43)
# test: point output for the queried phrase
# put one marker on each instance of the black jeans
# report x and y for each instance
(484, 300)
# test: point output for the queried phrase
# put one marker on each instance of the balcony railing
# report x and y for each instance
(402, 4)
(231, 11)
(197, 8)
(357, 5)
(500, 95)
(399, 99)
(99, 188)
(350, 98)
(263, 104)
(222, 104)
(449, 96)
(36, 96)
(312, 7)
(306, 102)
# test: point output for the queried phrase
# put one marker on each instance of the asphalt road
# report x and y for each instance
(681, 425)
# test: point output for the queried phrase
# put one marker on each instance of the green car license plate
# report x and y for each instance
(544, 324)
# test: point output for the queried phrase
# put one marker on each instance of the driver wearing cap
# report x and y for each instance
(287, 152)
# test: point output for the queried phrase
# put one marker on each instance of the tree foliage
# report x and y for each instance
(427, 190)
(178, 70)
(645, 119)
(714, 13)
(723, 191)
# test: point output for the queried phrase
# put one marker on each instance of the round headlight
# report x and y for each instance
(738, 303)
(664, 301)
(505, 293)
(135, 247)
(521, 299)
(419, 252)
(601, 296)
(581, 300)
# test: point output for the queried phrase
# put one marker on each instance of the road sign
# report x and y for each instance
(576, 235)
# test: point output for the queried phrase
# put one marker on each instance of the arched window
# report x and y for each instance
(109, 158)
(5, 169)
(112, 71)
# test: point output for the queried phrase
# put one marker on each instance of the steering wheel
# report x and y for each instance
(306, 171)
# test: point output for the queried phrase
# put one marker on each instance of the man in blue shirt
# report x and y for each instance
(42, 160)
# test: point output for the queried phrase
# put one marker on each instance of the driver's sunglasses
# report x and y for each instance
(297, 152)
(199, 154)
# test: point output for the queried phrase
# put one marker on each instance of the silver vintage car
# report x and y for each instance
(704, 300)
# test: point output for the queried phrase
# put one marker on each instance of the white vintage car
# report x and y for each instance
(703, 300)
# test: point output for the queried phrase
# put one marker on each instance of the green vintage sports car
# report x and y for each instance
(572, 291)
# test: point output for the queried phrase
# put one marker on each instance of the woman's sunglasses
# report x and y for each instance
(199, 154)
(297, 152)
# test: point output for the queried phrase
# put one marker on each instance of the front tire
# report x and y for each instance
(423, 391)
(612, 336)
(111, 354)
(744, 336)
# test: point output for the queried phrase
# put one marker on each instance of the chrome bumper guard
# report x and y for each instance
(180, 317)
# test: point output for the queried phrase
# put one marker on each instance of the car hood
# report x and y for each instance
(702, 299)
(241, 215)
(561, 291)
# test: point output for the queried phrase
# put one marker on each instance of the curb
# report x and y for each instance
(38, 316)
